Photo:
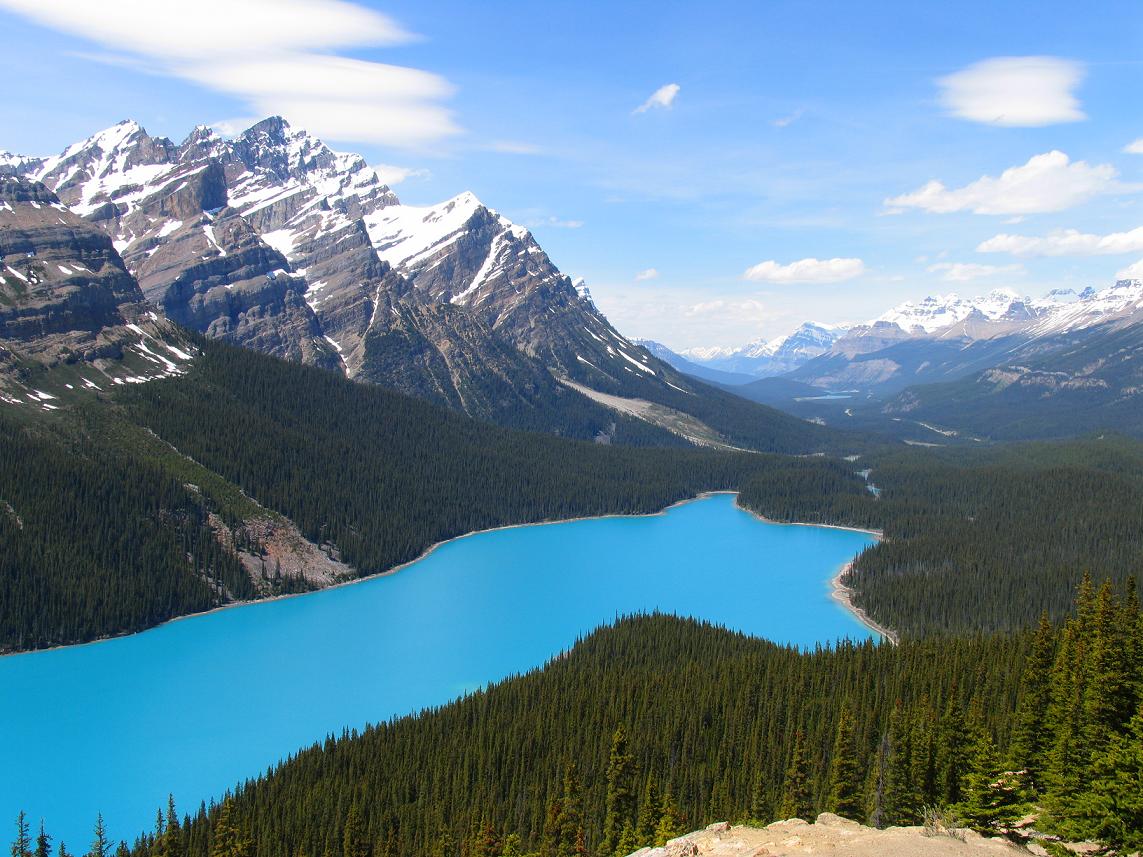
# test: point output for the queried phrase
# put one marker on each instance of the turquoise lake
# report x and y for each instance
(196, 705)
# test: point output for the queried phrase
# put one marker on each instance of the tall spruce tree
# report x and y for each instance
(620, 806)
(22, 844)
(845, 796)
(1031, 739)
(100, 844)
(797, 792)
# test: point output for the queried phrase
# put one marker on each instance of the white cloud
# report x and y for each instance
(1065, 242)
(963, 272)
(663, 97)
(1048, 182)
(391, 174)
(1015, 91)
(1135, 147)
(648, 274)
(1131, 272)
(514, 147)
(786, 121)
(276, 57)
(806, 271)
(749, 309)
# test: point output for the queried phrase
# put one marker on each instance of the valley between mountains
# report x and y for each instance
(239, 368)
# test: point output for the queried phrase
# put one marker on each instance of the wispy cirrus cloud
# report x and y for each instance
(647, 274)
(1065, 242)
(806, 271)
(1015, 91)
(662, 98)
(1135, 147)
(1046, 183)
(278, 58)
(789, 119)
(963, 272)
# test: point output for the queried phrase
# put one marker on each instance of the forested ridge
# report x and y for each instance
(659, 725)
(976, 539)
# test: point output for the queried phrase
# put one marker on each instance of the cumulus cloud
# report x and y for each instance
(1015, 91)
(1131, 272)
(1065, 242)
(648, 274)
(806, 271)
(750, 309)
(1135, 147)
(663, 97)
(1047, 182)
(963, 272)
(391, 174)
(279, 58)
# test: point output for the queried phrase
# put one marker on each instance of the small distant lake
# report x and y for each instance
(196, 705)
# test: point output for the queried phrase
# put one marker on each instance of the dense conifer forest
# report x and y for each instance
(659, 725)
(975, 539)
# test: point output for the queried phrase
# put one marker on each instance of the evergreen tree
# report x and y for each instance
(100, 846)
(650, 811)
(797, 795)
(43, 842)
(354, 837)
(628, 841)
(901, 802)
(567, 822)
(1111, 809)
(620, 808)
(486, 842)
(1031, 739)
(670, 821)
(172, 839)
(229, 838)
(1109, 697)
(845, 797)
(22, 844)
(994, 798)
(953, 752)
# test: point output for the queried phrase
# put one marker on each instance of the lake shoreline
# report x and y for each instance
(844, 598)
(839, 591)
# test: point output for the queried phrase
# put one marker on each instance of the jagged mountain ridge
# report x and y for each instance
(937, 338)
(274, 241)
(764, 358)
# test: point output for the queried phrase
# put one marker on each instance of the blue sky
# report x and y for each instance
(788, 178)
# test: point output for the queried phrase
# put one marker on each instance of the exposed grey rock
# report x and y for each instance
(68, 302)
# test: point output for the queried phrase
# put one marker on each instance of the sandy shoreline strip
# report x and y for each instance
(844, 596)
(840, 592)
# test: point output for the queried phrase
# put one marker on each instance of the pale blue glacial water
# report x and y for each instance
(196, 705)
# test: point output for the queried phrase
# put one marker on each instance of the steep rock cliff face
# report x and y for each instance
(71, 315)
(275, 241)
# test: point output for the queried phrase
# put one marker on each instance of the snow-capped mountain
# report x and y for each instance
(277, 242)
(764, 358)
(824, 355)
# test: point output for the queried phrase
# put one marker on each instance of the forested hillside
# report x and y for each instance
(975, 539)
(122, 512)
(660, 725)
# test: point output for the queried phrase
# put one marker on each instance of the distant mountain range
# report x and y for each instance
(1017, 359)
(273, 241)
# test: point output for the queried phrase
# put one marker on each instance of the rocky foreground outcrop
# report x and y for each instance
(830, 834)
